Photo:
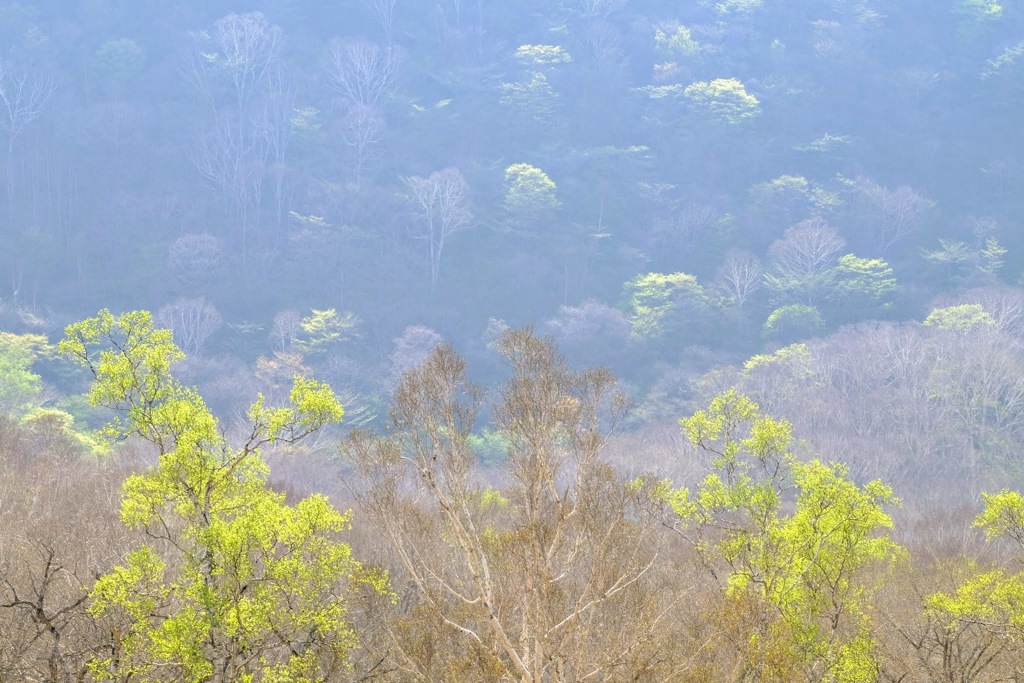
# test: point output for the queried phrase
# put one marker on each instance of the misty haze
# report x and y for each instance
(543, 341)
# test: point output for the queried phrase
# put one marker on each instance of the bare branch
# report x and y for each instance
(361, 72)
(23, 97)
(442, 205)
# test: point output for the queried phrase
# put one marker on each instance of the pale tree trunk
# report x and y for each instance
(566, 560)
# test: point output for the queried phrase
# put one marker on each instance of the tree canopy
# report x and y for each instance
(233, 583)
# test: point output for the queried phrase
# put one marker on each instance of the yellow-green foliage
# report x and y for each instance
(785, 188)
(19, 386)
(321, 329)
(979, 10)
(533, 97)
(993, 598)
(960, 318)
(529, 191)
(539, 56)
(777, 378)
(1003, 515)
(235, 571)
(866, 278)
(796, 358)
(991, 256)
(794, 321)
(651, 297)
(662, 92)
(674, 41)
(490, 446)
(795, 196)
(55, 421)
(737, 6)
(1005, 64)
(857, 661)
(723, 100)
(798, 534)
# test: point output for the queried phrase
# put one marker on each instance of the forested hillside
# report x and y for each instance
(646, 340)
(671, 174)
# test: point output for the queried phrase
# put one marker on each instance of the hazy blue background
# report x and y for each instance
(666, 187)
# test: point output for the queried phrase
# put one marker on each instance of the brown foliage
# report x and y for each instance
(59, 514)
(555, 578)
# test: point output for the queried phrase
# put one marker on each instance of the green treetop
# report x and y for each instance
(650, 298)
(863, 286)
(542, 56)
(675, 41)
(796, 359)
(977, 15)
(793, 322)
(960, 318)
(529, 192)
(723, 100)
(323, 329)
(991, 600)
(234, 584)
(868, 278)
(19, 385)
(735, 6)
(962, 262)
(534, 98)
(798, 537)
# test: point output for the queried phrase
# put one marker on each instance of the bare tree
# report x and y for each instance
(50, 601)
(591, 9)
(602, 42)
(592, 333)
(681, 228)
(588, 322)
(1004, 304)
(739, 277)
(411, 349)
(806, 248)
(194, 258)
(117, 125)
(361, 71)
(384, 10)
(544, 581)
(891, 216)
(234, 160)
(273, 127)
(286, 329)
(362, 129)
(977, 380)
(922, 645)
(249, 45)
(60, 521)
(23, 97)
(245, 47)
(442, 206)
(459, 24)
(240, 54)
(192, 322)
(802, 261)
